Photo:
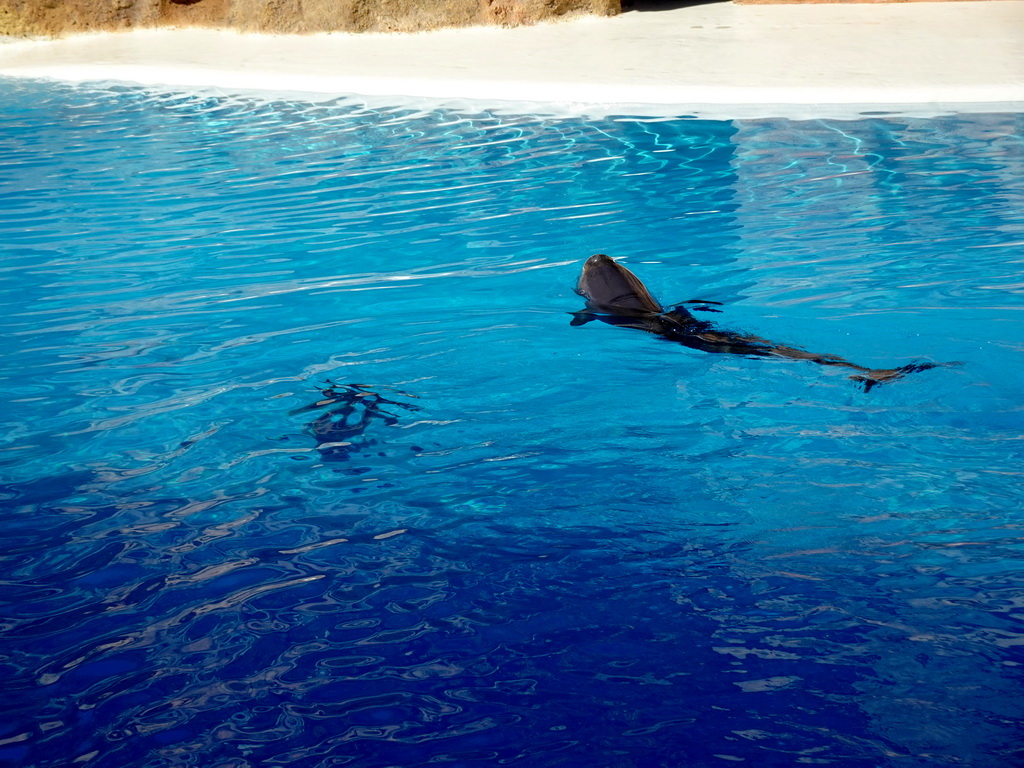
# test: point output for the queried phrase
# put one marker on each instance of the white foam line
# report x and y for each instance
(563, 101)
(715, 60)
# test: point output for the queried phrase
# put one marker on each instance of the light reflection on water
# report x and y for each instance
(543, 545)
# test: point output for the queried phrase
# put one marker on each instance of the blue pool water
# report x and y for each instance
(528, 543)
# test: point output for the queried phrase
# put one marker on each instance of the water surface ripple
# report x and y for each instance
(302, 464)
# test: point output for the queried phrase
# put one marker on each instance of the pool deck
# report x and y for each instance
(715, 59)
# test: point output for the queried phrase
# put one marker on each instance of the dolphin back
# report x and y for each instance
(609, 286)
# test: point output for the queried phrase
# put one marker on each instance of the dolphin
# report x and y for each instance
(616, 296)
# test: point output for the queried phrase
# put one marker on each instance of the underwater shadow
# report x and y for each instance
(647, 6)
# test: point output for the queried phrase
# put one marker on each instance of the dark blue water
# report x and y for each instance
(302, 464)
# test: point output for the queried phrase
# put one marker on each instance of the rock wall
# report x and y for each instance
(59, 17)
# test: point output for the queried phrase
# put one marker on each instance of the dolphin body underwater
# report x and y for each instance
(339, 432)
(616, 296)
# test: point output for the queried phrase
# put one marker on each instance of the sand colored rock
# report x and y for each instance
(514, 13)
(54, 18)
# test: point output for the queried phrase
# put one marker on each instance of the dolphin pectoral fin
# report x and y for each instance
(705, 306)
(581, 318)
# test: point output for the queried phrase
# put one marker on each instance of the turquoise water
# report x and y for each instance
(528, 543)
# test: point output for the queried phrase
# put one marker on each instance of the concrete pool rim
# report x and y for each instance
(717, 60)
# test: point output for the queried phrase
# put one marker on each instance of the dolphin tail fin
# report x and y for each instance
(874, 378)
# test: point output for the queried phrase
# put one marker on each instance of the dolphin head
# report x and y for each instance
(610, 287)
(616, 296)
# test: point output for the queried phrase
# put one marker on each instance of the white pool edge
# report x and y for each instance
(714, 61)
